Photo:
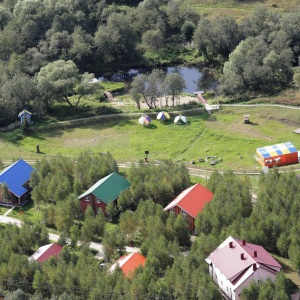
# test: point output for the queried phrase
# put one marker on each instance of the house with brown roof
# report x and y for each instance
(103, 191)
(190, 202)
(128, 263)
(235, 263)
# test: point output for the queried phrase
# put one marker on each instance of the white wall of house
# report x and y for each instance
(220, 279)
(259, 275)
(233, 291)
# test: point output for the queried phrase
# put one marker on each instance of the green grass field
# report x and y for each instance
(240, 9)
(221, 134)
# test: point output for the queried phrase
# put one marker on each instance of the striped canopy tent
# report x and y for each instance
(163, 116)
(25, 116)
(180, 119)
(144, 120)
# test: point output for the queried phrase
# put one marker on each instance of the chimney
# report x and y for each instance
(242, 256)
(255, 253)
(244, 242)
(254, 267)
(230, 244)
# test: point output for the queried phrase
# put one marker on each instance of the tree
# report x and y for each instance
(6, 194)
(181, 228)
(187, 30)
(17, 295)
(5, 17)
(174, 85)
(296, 78)
(81, 46)
(153, 39)
(113, 244)
(111, 209)
(149, 86)
(61, 79)
(251, 66)
(116, 41)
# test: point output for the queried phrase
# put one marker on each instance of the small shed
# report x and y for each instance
(277, 155)
(25, 116)
(246, 119)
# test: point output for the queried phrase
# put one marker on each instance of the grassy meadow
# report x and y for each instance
(221, 134)
(240, 9)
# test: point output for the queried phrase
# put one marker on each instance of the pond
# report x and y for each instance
(195, 79)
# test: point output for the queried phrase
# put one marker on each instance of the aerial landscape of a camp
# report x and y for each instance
(149, 149)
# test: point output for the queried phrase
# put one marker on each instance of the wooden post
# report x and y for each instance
(37, 148)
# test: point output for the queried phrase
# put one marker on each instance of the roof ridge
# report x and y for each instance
(10, 166)
(95, 185)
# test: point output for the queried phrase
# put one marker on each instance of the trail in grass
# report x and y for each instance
(194, 141)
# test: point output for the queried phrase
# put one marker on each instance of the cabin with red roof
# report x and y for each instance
(235, 263)
(128, 263)
(190, 202)
(45, 252)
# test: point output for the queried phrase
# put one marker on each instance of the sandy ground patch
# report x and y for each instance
(160, 102)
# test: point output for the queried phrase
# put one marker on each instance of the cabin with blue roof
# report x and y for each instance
(16, 178)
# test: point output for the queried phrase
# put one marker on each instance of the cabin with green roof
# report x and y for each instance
(106, 190)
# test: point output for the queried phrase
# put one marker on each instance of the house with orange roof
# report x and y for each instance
(235, 263)
(128, 263)
(190, 202)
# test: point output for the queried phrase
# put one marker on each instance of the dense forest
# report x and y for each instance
(49, 50)
(272, 221)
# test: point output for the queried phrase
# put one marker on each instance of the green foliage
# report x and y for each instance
(160, 183)
(5, 192)
(231, 203)
(268, 290)
(61, 78)
(17, 295)
(93, 166)
(113, 244)
(113, 86)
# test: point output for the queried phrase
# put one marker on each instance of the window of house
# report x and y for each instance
(183, 212)
(173, 210)
(87, 198)
(98, 200)
(99, 209)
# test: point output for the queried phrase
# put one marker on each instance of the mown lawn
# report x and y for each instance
(221, 134)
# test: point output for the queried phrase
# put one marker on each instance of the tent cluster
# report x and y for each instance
(146, 120)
